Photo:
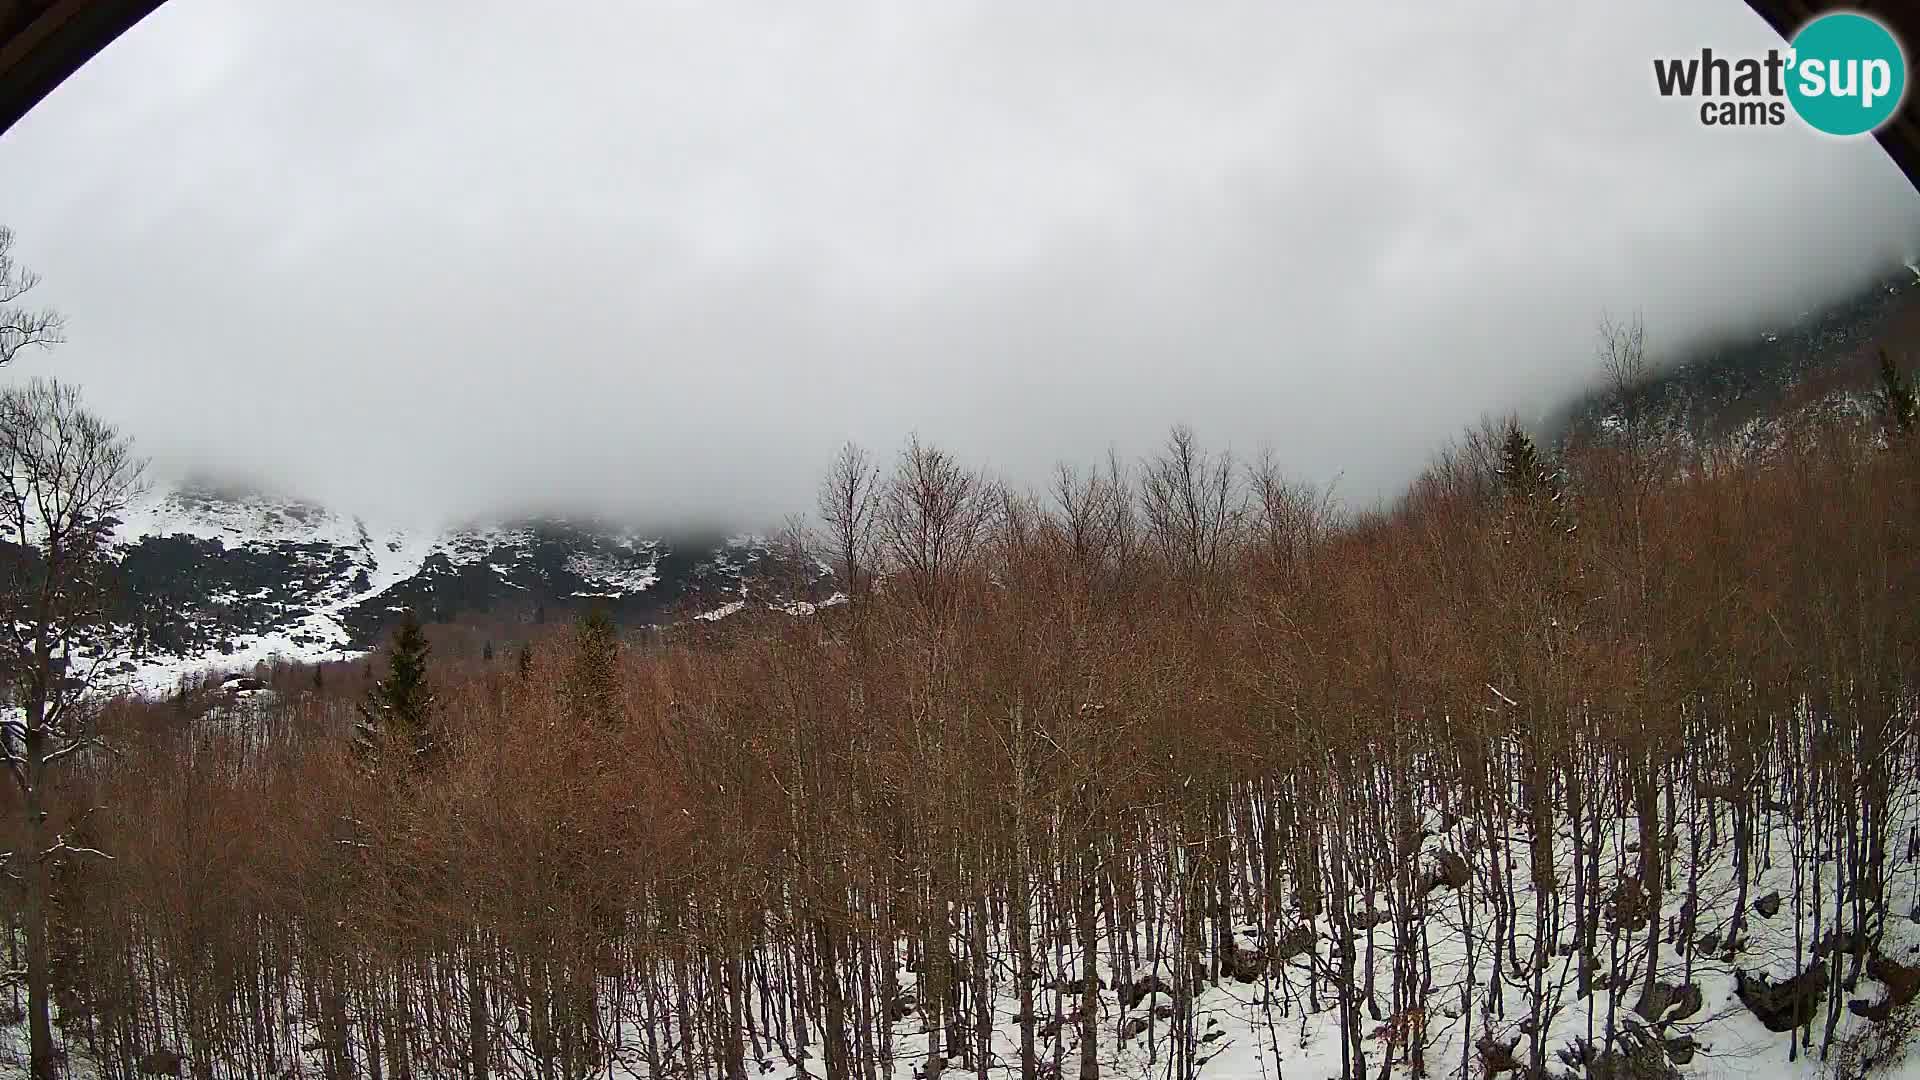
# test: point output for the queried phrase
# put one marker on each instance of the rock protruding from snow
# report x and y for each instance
(160, 1063)
(1446, 869)
(1141, 989)
(1785, 1005)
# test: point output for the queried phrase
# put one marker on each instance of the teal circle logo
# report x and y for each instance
(1848, 74)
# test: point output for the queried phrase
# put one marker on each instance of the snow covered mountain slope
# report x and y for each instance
(225, 579)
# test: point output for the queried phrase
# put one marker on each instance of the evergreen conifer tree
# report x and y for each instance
(526, 661)
(1520, 470)
(401, 705)
(594, 683)
(1536, 515)
(1531, 485)
(1898, 410)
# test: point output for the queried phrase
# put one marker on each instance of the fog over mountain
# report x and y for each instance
(660, 259)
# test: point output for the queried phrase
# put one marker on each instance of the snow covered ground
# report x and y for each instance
(1262, 1029)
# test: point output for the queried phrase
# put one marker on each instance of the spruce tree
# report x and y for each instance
(486, 654)
(594, 683)
(400, 706)
(1531, 485)
(526, 661)
(1898, 412)
(1536, 515)
(1521, 474)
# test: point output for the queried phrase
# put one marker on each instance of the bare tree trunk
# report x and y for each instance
(1652, 859)
(836, 1005)
(1021, 917)
(39, 981)
(478, 1022)
(982, 998)
(1089, 970)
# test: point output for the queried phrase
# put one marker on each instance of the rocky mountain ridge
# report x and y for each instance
(217, 578)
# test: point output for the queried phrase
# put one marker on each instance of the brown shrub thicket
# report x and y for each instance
(1106, 729)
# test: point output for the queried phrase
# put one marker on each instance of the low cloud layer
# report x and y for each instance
(662, 258)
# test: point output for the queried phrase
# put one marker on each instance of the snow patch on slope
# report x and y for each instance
(610, 577)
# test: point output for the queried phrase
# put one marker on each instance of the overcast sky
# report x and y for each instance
(664, 257)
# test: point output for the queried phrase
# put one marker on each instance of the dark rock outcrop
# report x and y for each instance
(1141, 989)
(1785, 1005)
(1445, 869)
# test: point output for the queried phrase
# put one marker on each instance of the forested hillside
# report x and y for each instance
(1735, 390)
(1590, 762)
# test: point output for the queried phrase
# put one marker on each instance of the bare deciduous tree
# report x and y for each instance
(1289, 516)
(65, 475)
(1194, 506)
(849, 500)
(21, 327)
(932, 519)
